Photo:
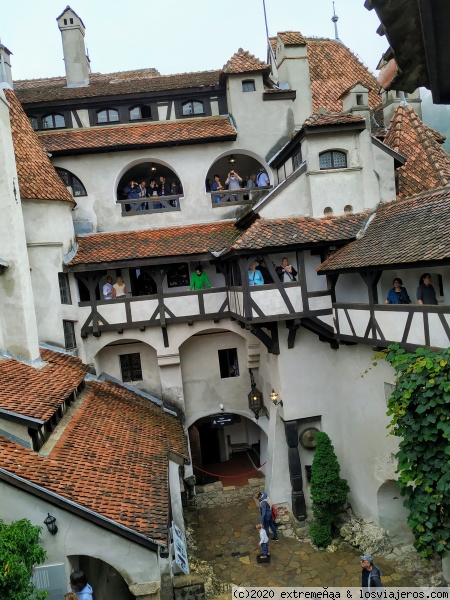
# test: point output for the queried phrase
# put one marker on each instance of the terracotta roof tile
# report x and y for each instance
(333, 69)
(127, 82)
(121, 472)
(428, 164)
(38, 393)
(291, 38)
(169, 241)
(320, 119)
(186, 131)
(402, 232)
(244, 62)
(37, 177)
(299, 230)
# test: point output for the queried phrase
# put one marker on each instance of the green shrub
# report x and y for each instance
(328, 490)
(321, 534)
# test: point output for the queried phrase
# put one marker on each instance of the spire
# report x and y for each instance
(335, 19)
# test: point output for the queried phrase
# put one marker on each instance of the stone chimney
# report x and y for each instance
(5, 67)
(391, 100)
(356, 101)
(75, 59)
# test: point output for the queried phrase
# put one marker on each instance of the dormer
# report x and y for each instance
(355, 100)
(75, 59)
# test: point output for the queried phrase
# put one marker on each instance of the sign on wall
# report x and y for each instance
(179, 544)
(222, 420)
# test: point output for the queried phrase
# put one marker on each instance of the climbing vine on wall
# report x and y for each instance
(419, 408)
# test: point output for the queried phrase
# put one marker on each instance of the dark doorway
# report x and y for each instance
(209, 443)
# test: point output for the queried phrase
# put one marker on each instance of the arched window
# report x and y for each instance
(348, 209)
(140, 112)
(248, 85)
(107, 115)
(328, 211)
(53, 121)
(34, 123)
(332, 159)
(69, 179)
(193, 107)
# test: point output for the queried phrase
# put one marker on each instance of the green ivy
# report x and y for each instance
(20, 552)
(420, 415)
(328, 490)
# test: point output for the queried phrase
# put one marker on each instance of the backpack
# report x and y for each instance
(274, 512)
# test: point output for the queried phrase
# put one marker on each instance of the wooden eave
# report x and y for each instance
(288, 149)
(285, 248)
(399, 159)
(318, 129)
(387, 267)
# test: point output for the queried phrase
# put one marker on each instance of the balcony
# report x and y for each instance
(153, 204)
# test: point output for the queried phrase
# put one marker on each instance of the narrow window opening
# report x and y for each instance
(348, 208)
(130, 365)
(64, 288)
(69, 335)
(228, 363)
(359, 99)
(328, 211)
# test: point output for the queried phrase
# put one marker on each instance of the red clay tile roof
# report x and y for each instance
(333, 69)
(112, 458)
(244, 62)
(118, 137)
(273, 43)
(428, 164)
(291, 38)
(266, 233)
(37, 177)
(321, 119)
(38, 393)
(111, 84)
(402, 232)
(168, 241)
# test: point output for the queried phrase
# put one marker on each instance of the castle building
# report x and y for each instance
(350, 187)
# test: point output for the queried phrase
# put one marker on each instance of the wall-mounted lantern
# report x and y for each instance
(50, 522)
(255, 397)
(231, 159)
(274, 398)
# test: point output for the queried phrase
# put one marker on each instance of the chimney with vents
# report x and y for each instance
(5, 66)
(356, 101)
(75, 59)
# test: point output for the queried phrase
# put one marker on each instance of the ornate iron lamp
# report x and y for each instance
(255, 397)
(274, 398)
(231, 159)
(153, 168)
(50, 522)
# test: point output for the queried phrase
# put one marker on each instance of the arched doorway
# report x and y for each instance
(392, 514)
(107, 582)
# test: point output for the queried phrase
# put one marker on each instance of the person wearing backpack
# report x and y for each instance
(370, 574)
(266, 520)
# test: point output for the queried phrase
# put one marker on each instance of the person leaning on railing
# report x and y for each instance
(398, 294)
(425, 293)
(199, 279)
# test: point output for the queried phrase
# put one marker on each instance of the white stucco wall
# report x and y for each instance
(77, 536)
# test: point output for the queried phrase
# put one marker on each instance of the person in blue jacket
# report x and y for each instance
(398, 294)
(266, 515)
(79, 584)
(254, 276)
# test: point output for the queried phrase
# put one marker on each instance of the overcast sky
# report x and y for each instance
(175, 36)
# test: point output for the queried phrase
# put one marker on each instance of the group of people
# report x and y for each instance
(259, 274)
(136, 191)
(110, 291)
(235, 182)
(266, 523)
(425, 293)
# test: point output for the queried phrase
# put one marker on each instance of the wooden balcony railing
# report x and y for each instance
(240, 196)
(153, 204)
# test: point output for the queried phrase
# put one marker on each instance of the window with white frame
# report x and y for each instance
(130, 365)
(333, 159)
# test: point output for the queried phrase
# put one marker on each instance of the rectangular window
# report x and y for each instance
(248, 86)
(64, 288)
(130, 365)
(69, 335)
(297, 159)
(228, 363)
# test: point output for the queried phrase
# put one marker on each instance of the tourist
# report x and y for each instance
(120, 291)
(199, 279)
(254, 276)
(233, 182)
(79, 584)
(216, 187)
(108, 289)
(262, 178)
(370, 574)
(152, 191)
(398, 294)
(262, 268)
(132, 191)
(286, 272)
(251, 181)
(266, 515)
(425, 293)
(70, 596)
(263, 541)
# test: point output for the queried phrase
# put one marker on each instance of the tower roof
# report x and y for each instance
(37, 176)
(428, 164)
(244, 62)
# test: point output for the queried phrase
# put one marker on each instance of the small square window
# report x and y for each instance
(248, 86)
(64, 288)
(228, 363)
(69, 335)
(130, 365)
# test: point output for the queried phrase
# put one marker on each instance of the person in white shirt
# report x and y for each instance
(108, 290)
(262, 178)
(120, 291)
(263, 541)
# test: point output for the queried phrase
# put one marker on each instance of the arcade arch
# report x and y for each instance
(146, 171)
(243, 162)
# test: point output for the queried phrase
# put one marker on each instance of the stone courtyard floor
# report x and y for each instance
(222, 538)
